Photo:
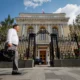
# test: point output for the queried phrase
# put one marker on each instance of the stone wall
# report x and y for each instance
(67, 63)
(22, 64)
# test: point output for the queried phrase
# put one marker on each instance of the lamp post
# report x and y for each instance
(51, 51)
(32, 37)
(54, 36)
(58, 52)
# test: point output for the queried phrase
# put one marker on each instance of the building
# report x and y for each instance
(34, 22)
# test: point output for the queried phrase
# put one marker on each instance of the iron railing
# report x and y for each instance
(66, 47)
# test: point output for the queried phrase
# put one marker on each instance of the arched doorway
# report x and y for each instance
(41, 46)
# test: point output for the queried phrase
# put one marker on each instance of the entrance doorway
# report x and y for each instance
(43, 56)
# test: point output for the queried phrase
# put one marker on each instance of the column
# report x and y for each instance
(47, 57)
(23, 30)
(49, 30)
(36, 31)
(38, 56)
(59, 30)
(62, 31)
(26, 30)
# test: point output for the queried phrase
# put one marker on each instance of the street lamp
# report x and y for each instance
(32, 37)
(54, 36)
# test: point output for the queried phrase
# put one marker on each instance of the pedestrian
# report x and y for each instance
(12, 43)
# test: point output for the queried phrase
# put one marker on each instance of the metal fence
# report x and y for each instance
(22, 48)
(66, 47)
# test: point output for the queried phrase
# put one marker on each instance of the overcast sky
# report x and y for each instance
(14, 7)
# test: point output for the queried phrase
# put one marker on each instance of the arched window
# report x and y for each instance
(30, 30)
(42, 33)
(55, 29)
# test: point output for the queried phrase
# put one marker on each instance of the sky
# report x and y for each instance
(14, 7)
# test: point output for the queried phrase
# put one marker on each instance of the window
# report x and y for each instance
(54, 29)
(42, 36)
(29, 30)
(42, 33)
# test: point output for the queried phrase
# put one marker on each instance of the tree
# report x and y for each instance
(76, 25)
(6, 24)
(71, 28)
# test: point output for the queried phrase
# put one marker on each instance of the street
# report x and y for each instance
(42, 73)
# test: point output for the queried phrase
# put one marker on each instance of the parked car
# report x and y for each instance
(38, 61)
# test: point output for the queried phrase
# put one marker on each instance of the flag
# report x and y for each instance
(43, 11)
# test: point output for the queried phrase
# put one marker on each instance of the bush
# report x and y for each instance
(76, 51)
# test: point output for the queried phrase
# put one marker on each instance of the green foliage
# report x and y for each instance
(77, 22)
(75, 28)
(6, 24)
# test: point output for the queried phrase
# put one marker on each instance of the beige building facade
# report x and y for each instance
(47, 21)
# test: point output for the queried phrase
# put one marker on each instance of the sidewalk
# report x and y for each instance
(42, 73)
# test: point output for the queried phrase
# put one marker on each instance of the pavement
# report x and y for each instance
(42, 73)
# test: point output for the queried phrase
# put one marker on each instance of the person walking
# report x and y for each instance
(12, 43)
